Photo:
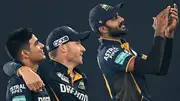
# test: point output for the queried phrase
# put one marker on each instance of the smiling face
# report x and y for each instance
(35, 53)
(114, 26)
(74, 51)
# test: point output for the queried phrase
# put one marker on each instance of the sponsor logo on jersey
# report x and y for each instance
(110, 53)
(44, 99)
(68, 89)
(17, 88)
(64, 78)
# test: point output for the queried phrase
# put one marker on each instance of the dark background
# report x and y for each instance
(45, 15)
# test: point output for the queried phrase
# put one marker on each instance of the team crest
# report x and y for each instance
(81, 85)
(106, 7)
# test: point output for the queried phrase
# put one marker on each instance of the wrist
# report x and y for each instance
(159, 33)
(169, 34)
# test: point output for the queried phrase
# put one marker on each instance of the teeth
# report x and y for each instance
(122, 26)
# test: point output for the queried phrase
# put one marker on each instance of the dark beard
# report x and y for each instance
(118, 34)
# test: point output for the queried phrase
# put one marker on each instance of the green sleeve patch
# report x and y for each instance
(19, 98)
(121, 58)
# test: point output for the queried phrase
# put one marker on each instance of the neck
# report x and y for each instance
(110, 38)
(33, 66)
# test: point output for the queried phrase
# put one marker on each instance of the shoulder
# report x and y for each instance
(16, 85)
(15, 80)
(108, 52)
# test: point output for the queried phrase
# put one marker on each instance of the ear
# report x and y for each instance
(63, 48)
(103, 29)
(25, 54)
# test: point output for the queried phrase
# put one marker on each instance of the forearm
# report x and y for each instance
(153, 62)
(167, 55)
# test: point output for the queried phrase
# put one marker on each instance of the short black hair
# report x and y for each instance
(17, 41)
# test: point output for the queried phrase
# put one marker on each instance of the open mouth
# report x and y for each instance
(122, 25)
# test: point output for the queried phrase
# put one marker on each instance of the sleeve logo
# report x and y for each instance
(110, 53)
(121, 58)
(19, 98)
(17, 88)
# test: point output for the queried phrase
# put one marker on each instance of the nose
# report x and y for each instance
(83, 49)
(41, 45)
(121, 19)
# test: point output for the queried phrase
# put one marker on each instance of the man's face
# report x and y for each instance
(116, 26)
(36, 53)
(75, 52)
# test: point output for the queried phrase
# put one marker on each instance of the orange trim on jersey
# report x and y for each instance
(139, 90)
(127, 66)
(54, 94)
(126, 46)
(76, 77)
(108, 87)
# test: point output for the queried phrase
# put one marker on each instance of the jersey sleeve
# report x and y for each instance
(17, 91)
(117, 59)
